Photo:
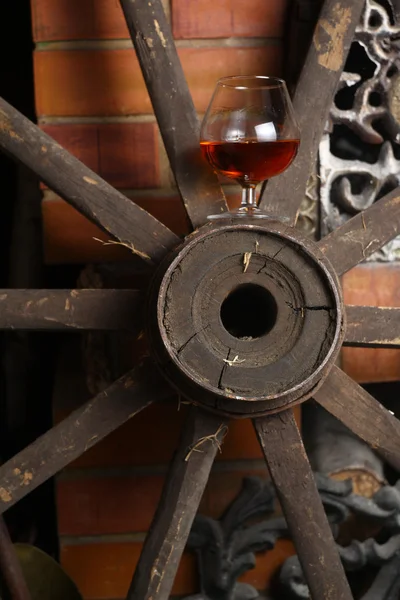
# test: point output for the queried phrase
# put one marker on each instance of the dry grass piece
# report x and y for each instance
(234, 361)
(246, 260)
(363, 220)
(221, 431)
(131, 247)
(180, 402)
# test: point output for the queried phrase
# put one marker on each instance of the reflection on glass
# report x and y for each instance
(250, 134)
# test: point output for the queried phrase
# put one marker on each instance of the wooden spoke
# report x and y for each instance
(312, 101)
(372, 327)
(174, 109)
(81, 187)
(364, 234)
(81, 430)
(10, 567)
(70, 309)
(201, 437)
(291, 474)
(360, 412)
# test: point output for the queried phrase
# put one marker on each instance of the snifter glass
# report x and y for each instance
(249, 134)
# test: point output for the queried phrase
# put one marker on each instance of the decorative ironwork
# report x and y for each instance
(226, 548)
(383, 509)
(359, 158)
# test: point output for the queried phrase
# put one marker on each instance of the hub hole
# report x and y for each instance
(250, 311)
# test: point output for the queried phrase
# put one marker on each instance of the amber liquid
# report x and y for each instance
(250, 162)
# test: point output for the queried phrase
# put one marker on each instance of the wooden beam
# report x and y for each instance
(81, 430)
(312, 101)
(372, 327)
(360, 412)
(70, 309)
(301, 504)
(81, 187)
(202, 436)
(173, 106)
(364, 234)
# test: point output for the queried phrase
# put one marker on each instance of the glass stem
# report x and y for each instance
(249, 196)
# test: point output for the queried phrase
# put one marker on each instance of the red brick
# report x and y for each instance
(69, 236)
(113, 505)
(77, 19)
(372, 285)
(228, 18)
(109, 82)
(152, 437)
(124, 154)
(55, 20)
(104, 570)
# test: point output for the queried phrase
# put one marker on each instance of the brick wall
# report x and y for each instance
(372, 284)
(90, 96)
(106, 498)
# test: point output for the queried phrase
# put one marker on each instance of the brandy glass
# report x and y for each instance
(249, 134)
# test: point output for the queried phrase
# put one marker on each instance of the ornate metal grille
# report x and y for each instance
(359, 158)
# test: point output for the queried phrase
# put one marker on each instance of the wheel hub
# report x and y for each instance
(249, 317)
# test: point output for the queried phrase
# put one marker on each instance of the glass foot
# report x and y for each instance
(251, 212)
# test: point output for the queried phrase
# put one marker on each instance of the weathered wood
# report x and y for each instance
(361, 413)
(81, 430)
(81, 187)
(70, 309)
(372, 327)
(312, 101)
(173, 106)
(364, 234)
(302, 17)
(254, 335)
(10, 567)
(201, 438)
(291, 474)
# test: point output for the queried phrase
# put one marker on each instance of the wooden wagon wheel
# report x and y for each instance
(229, 364)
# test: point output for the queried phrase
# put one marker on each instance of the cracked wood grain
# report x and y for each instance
(173, 106)
(70, 309)
(201, 438)
(312, 100)
(82, 188)
(372, 327)
(297, 492)
(364, 234)
(81, 430)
